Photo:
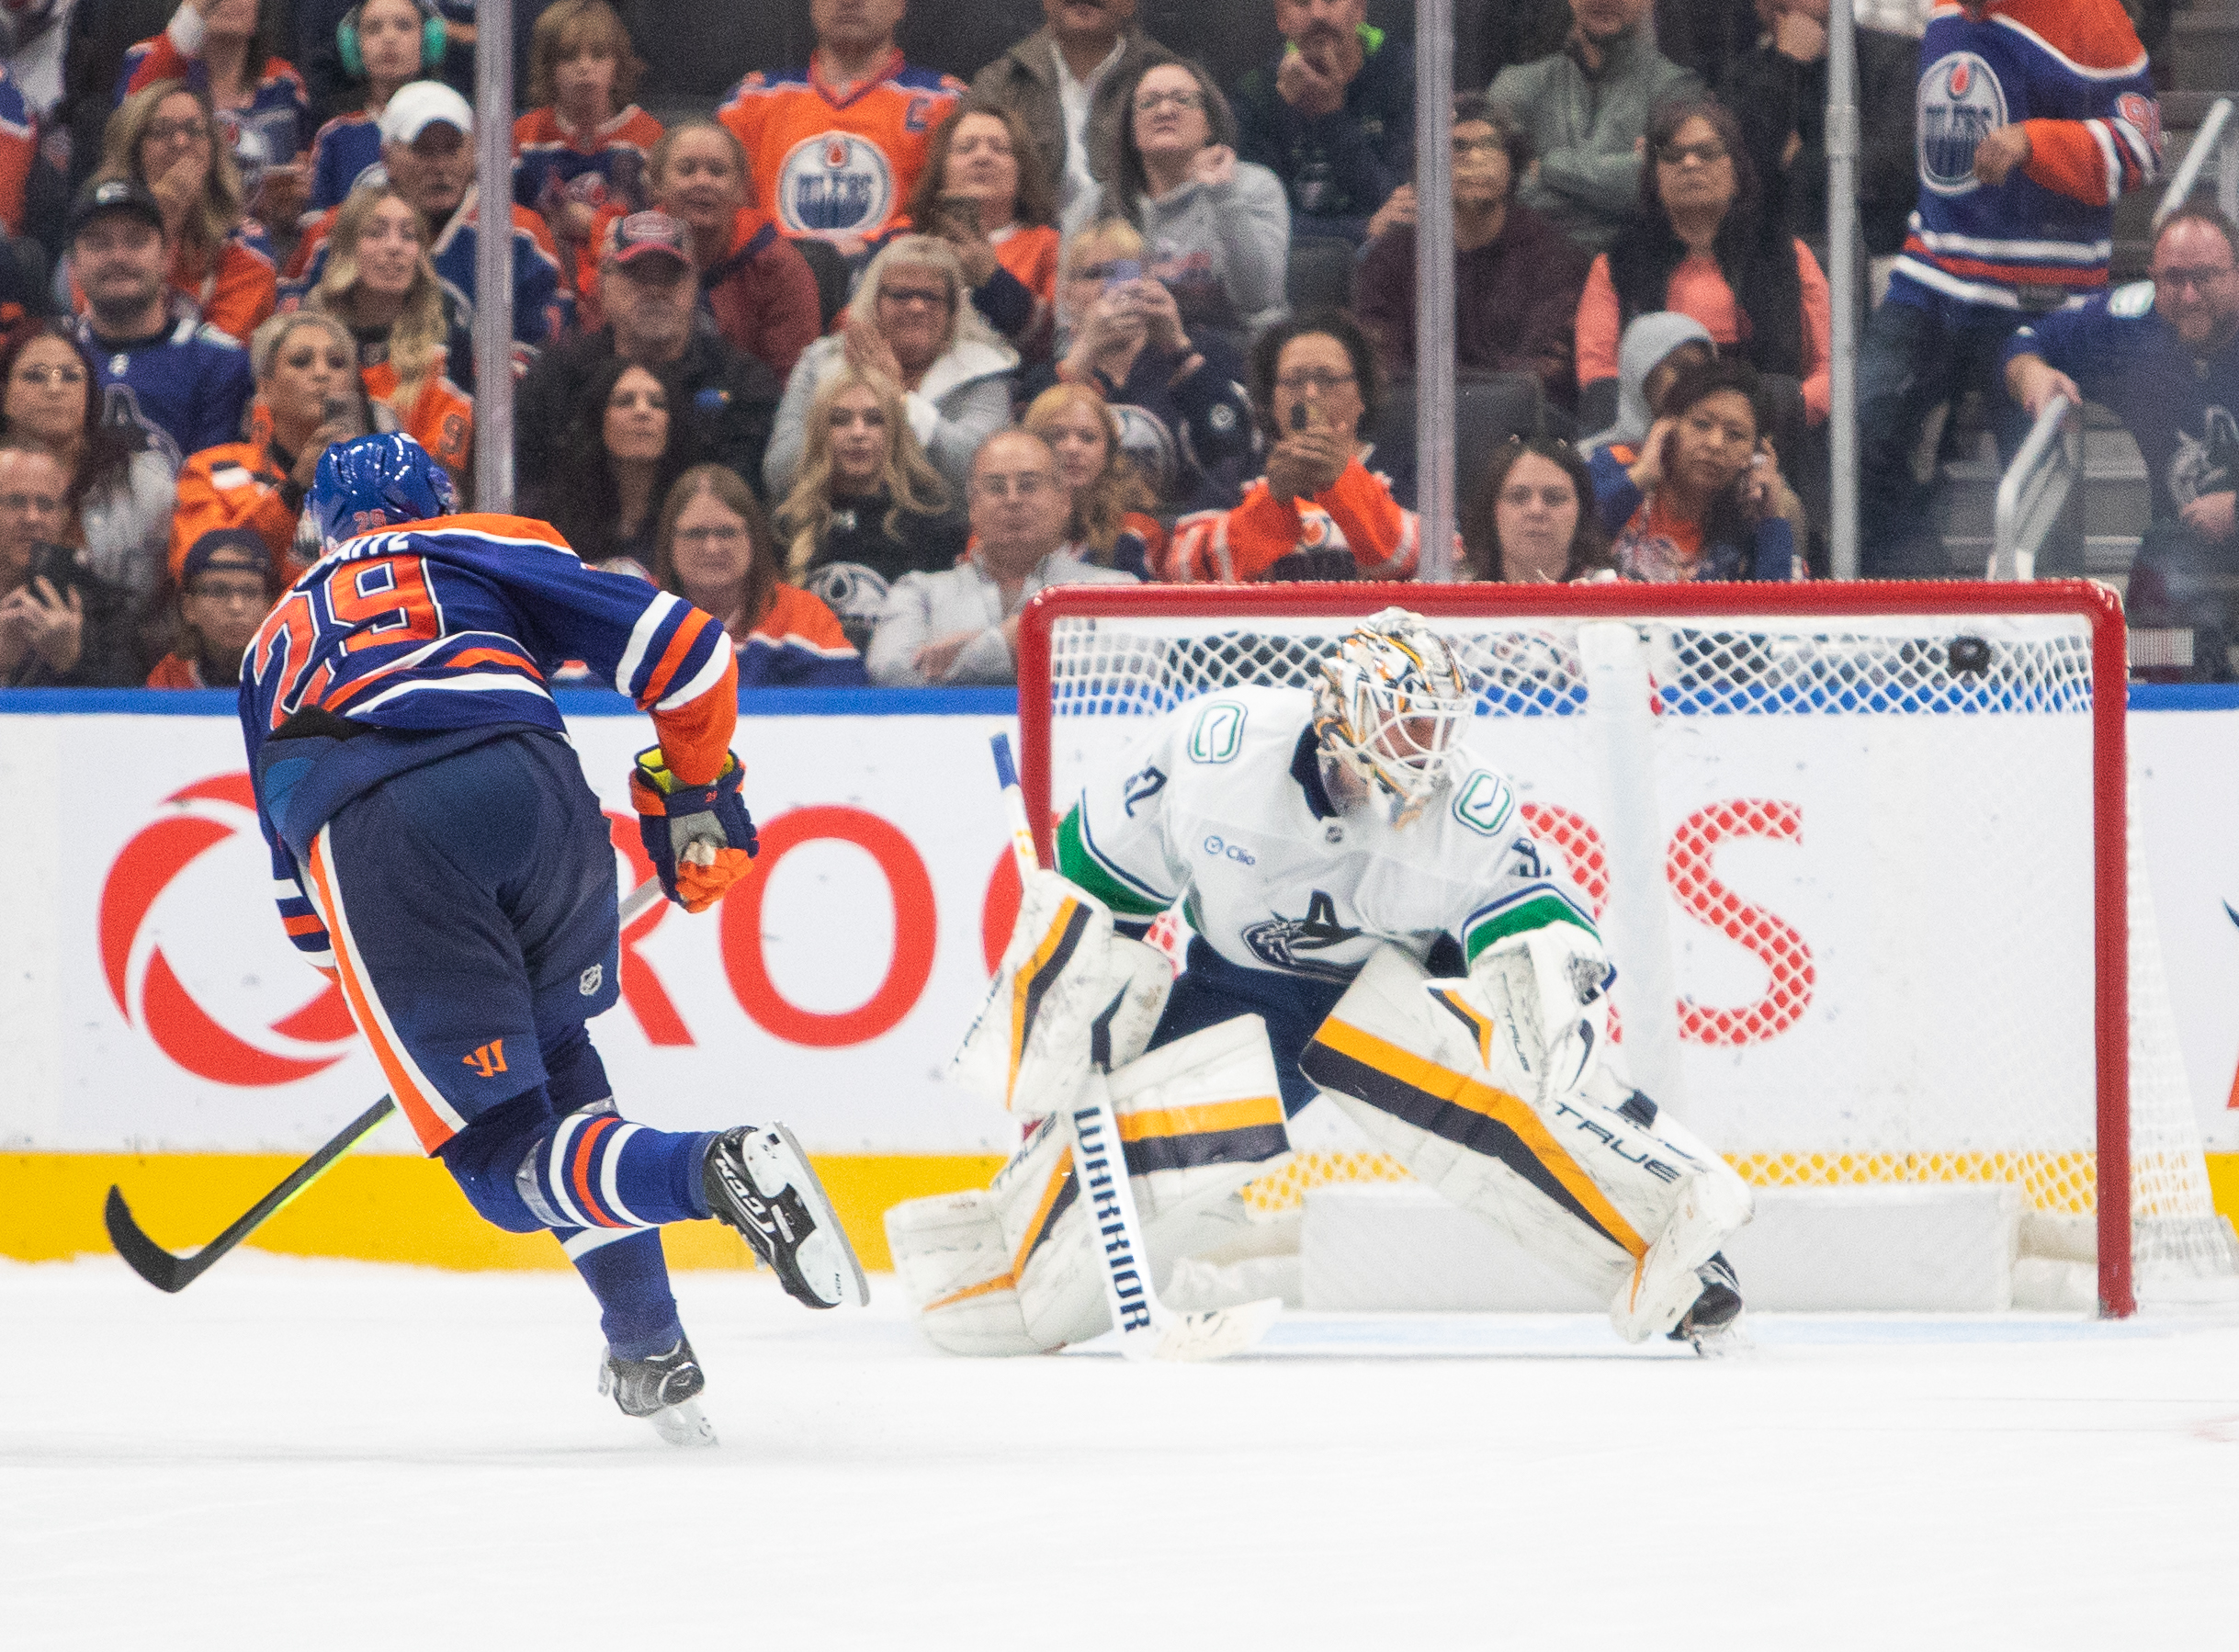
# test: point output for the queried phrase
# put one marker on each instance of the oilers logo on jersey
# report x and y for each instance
(1961, 103)
(834, 184)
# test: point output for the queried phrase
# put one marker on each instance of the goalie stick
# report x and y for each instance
(1148, 1330)
(173, 1274)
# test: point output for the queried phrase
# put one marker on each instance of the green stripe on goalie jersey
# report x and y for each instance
(1532, 914)
(1079, 864)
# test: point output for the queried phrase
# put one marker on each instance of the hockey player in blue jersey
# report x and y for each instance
(435, 849)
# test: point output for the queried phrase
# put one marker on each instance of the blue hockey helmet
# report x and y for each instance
(373, 482)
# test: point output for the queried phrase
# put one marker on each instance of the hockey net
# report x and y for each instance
(1904, 937)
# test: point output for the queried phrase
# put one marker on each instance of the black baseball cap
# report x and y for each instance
(104, 195)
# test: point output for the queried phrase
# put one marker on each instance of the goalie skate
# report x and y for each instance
(1714, 1324)
(758, 1181)
(663, 1390)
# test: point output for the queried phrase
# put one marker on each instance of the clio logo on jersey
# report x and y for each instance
(834, 184)
(1961, 104)
(150, 993)
(1228, 851)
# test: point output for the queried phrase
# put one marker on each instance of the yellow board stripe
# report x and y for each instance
(1498, 1106)
(1250, 1113)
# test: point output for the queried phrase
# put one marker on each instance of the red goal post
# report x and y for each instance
(1799, 670)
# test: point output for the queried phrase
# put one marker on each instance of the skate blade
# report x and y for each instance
(829, 1270)
(1214, 1334)
(1730, 1341)
(684, 1425)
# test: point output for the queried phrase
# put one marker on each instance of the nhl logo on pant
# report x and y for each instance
(589, 983)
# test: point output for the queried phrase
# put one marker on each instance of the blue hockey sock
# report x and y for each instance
(629, 1275)
(596, 1170)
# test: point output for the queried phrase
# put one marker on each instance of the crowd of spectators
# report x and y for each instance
(868, 357)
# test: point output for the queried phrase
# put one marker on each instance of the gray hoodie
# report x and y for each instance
(1646, 342)
(1585, 131)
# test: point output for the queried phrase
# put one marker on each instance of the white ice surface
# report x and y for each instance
(305, 1454)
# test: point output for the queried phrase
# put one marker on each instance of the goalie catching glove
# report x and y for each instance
(699, 838)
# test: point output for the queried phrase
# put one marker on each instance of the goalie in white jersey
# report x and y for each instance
(1374, 923)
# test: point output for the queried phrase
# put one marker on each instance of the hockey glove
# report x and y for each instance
(699, 838)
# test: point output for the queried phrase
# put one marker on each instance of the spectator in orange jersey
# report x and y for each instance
(1110, 526)
(753, 281)
(379, 284)
(584, 145)
(309, 397)
(717, 550)
(226, 587)
(163, 138)
(838, 145)
(216, 47)
(1319, 513)
(984, 192)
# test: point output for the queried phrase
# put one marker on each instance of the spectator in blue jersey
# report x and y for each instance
(650, 296)
(218, 48)
(122, 489)
(1334, 117)
(912, 322)
(2035, 116)
(960, 626)
(2165, 357)
(582, 149)
(427, 146)
(717, 550)
(185, 388)
(464, 881)
(867, 505)
(60, 626)
(383, 46)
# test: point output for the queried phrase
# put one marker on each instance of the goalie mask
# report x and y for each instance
(1390, 708)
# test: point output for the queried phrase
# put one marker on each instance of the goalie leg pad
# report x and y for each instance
(1068, 994)
(1441, 1084)
(1197, 1119)
(949, 1256)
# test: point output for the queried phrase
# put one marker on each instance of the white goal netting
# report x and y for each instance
(1874, 957)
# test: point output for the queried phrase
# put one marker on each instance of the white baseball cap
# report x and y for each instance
(415, 108)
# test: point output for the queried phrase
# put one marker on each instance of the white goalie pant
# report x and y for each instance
(1512, 1115)
(1012, 1269)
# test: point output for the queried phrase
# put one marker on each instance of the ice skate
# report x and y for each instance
(1714, 1324)
(759, 1182)
(663, 1390)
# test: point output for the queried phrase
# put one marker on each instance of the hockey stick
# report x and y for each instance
(1148, 1330)
(167, 1272)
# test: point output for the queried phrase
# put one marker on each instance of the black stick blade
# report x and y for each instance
(142, 1254)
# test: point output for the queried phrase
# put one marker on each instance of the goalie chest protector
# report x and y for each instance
(1221, 806)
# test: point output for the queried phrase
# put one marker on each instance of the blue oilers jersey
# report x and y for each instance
(2073, 75)
(182, 391)
(432, 636)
